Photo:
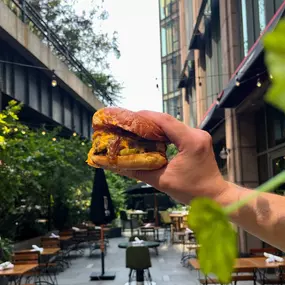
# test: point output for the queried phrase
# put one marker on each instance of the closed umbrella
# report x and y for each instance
(101, 213)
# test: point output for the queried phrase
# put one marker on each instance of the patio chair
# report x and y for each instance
(141, 263)
(93, 237)
(27, 257)
(58, 260)
(166, 223)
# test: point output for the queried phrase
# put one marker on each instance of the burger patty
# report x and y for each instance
(113, 144)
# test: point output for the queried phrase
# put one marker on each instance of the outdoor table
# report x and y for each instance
(140, 273)
(251, 263)
(149, 244)
(135, 213)
(65, 238)
(45, 252)
(18, 270)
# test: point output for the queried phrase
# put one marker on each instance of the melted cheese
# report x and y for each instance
(101, 142)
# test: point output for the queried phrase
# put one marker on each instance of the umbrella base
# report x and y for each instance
(99, 276)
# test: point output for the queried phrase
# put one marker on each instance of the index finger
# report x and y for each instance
(177, 132)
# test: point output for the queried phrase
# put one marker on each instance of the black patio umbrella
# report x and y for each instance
(143, 188)
(101, 213)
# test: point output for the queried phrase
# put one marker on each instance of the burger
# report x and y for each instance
(124, 140)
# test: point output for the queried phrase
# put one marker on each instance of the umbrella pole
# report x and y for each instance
(102, 250)
(104, 275)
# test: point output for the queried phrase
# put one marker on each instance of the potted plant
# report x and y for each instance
(5, 249)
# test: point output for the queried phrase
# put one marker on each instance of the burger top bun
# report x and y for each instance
(130, 121)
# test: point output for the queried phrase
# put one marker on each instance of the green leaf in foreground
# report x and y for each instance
(216, 236)
(274, 44)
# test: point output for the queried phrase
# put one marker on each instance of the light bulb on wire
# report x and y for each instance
(258, 84)
(74, 134)
(16, 130)
(271, 76)
(237, 83)
(54, 139)
(43, 133)
(83, 143)
(53, 81)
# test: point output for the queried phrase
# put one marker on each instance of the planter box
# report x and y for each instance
(115, 232)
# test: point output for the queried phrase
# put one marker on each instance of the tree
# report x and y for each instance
(43, 175)
(80, 39)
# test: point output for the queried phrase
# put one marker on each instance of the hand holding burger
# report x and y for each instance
(124, 140)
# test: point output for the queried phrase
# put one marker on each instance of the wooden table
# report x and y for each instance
(50, 251)
(250, 264)
(46, 251)
(18, 270)
(65, 238)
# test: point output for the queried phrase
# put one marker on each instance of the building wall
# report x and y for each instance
(228, 38)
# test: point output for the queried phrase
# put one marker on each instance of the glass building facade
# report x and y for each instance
(170, 57)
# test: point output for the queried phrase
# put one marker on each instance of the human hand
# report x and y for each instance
(193, 172)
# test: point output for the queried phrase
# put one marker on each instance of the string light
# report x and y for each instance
(237, 83)
(258, 84)
(43, 133)
(74, 134)
(53, 81)
(54, 139)
(271, 76)
(83, 143)
(23, 132)
(16, 130)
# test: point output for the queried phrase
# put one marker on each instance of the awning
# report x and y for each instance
(213, 118)
(195, 41)
(252, 65)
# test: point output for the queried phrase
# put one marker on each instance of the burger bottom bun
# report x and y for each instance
(144, 161)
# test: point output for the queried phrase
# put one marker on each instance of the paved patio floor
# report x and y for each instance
(166, 268)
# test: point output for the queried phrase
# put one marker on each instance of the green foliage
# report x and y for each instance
(217, 237)
(83, 39)
(5, 249)
(275, 58)
(206, 218)
(117, 186)
(43, 175)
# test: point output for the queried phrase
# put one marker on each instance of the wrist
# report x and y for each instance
(229, 194)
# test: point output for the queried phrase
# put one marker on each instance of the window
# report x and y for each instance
(255, 15)
(164, 78)
(165, 106)
(262, 18)
(173, 104)
(244, 27)
(170, 37)
(163, 42)
(169, 40)
(162, 9)
(171, 72)
(275, 126)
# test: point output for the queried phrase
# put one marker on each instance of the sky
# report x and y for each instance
(139, 67)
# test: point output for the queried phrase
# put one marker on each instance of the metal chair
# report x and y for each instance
(143, 263)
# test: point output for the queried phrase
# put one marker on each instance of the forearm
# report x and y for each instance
(263, 217)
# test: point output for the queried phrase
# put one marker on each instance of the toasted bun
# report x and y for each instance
(144, 161)
(129, 121)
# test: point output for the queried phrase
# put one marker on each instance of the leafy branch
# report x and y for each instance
(213, 230)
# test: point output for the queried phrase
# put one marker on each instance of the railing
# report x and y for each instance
(38, 26)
